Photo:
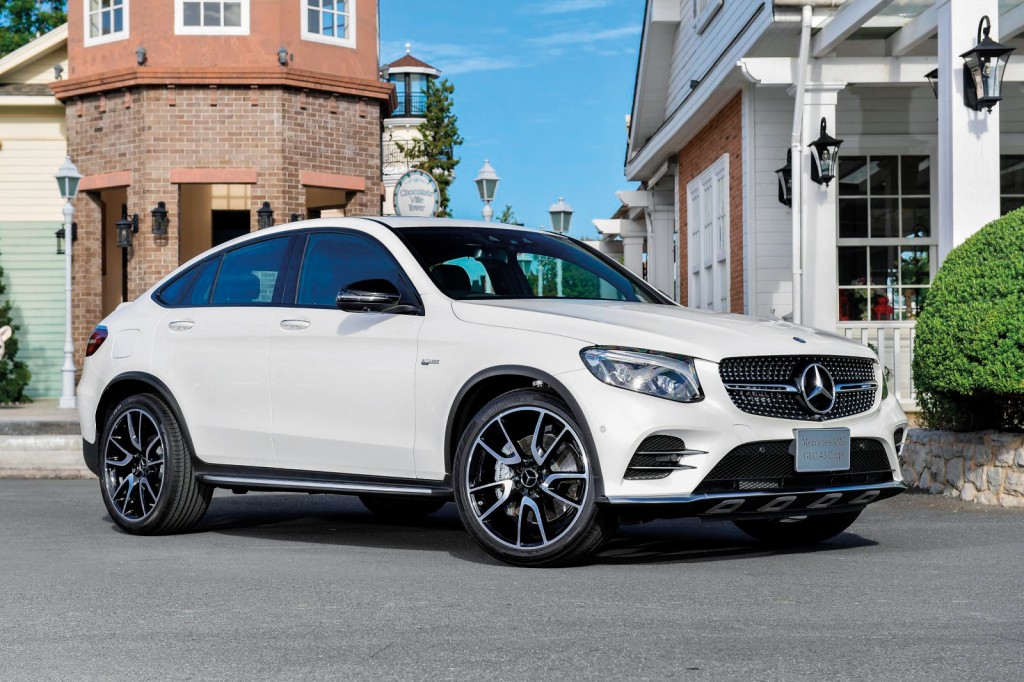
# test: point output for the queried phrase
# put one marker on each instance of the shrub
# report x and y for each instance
(969, 350)
(14, 374)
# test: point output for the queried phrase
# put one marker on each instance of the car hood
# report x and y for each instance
(667, 328)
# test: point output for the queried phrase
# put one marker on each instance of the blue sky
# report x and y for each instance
(542, 89)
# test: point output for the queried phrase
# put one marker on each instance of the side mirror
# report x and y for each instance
(370, 296)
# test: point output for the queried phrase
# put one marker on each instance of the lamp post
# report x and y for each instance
(487, 184)
(561, 217)
(68, 178)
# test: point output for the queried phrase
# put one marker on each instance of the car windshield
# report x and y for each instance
(496, 263)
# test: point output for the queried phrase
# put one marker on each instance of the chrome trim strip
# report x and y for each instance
(294, 484)
(767, 388)
(669, 467)
(657, 453)
(856, 386)
(686, 499)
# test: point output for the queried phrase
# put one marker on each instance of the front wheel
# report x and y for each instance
(146, 479)
(808, 530)
(524, 483)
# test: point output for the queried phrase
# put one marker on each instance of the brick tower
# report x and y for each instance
(213, 108)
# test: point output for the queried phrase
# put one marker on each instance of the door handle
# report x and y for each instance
(181, 325)
(294, 325)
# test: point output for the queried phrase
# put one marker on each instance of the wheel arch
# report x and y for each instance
(488, 384)
(128, 384)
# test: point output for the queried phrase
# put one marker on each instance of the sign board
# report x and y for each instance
(416, 195)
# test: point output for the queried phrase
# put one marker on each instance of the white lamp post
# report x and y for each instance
(561, 217)
(68, 178)
(487, 183)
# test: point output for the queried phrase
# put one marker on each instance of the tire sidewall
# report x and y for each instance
(587, 514)
(174, 455)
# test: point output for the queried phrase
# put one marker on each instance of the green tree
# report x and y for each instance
(21, 21)
(434, 150)
(14, 374)
(508, 216)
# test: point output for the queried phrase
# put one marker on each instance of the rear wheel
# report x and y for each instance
(524, 483)
(795, 531)
(146, 479)
(401, 507)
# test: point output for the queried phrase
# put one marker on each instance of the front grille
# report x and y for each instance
(768, 465)
(784, 370)
(657, 457)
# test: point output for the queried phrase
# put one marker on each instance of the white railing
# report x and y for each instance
(894, 342)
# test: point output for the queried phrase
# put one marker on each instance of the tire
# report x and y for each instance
(146, 476)
(793, 532)
(401, 507)
(524, 483)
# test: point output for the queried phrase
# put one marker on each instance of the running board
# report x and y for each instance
(299, 481)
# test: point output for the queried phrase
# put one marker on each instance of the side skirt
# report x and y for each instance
(244, 479)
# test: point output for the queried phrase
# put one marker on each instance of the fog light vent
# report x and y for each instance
(657, 457)
(897, 438)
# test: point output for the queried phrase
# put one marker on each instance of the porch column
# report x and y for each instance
(968, 189)
(633, 253)
(819, 225)
(661, 225)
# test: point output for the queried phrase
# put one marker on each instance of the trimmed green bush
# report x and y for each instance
(14, 374)
(969, 350)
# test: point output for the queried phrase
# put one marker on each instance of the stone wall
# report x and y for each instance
(982, 466)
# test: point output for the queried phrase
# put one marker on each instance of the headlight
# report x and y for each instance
(663, 376)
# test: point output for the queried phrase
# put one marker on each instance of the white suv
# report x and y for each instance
(541, 385)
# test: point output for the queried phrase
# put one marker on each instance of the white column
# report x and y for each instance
(633, 253)
(820, 218)
(661, 224)
(67, 395)
(968, 189)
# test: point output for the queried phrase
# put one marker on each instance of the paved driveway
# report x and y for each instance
(296, 586)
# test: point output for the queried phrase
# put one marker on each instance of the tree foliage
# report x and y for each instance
(508, 216)
(21, 21)
(14, 374)
(969, 347)
(434, 150)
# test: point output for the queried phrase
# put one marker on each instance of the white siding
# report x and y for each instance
(33, 149)
(771, 221)
(40, 70)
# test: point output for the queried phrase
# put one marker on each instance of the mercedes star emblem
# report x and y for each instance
(818, 389)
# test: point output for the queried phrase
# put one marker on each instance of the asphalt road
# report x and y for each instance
(296, 586)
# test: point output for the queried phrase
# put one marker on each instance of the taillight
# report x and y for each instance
(99, 335)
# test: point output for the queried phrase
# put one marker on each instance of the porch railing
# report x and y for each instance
(894, 342)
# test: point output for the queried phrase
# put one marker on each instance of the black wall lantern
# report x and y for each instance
(824, 156)
(984, 67)
(61, 236)
(126, 227)
(785, 175)
(265, 216)
(160, 221)
(933, 80)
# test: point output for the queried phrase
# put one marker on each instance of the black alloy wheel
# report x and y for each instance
(146, 480)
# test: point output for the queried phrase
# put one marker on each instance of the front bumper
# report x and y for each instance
(620, 420)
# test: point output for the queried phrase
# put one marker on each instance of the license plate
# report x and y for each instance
(822, 449)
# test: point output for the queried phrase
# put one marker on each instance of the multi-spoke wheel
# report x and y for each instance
(807, 530)
(147, 481)
(524, 482)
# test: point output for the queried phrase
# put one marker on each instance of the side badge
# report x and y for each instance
(429, 361)
(798, 339)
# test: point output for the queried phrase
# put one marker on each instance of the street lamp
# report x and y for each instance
(68, 178)
(561, 216)
(824, 156)
(984, 66)
(487, 184)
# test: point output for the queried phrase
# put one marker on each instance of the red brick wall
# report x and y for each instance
(151, 131)
(722, 135)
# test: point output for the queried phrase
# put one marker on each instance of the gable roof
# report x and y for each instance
(44, 44)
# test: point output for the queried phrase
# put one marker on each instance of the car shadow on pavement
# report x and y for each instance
(333, 520)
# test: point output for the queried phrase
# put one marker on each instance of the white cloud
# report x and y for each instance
(566, 6)
(584, 37)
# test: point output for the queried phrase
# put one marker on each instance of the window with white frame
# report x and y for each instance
(1011, 186)
(707, 220)
(887, 251)
(211, 17)
(704, 11)
(105, 21)
(329, 21)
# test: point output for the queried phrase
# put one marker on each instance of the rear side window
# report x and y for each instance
(192, 287)
(252, 274)
(335, 261)
(174, 293)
